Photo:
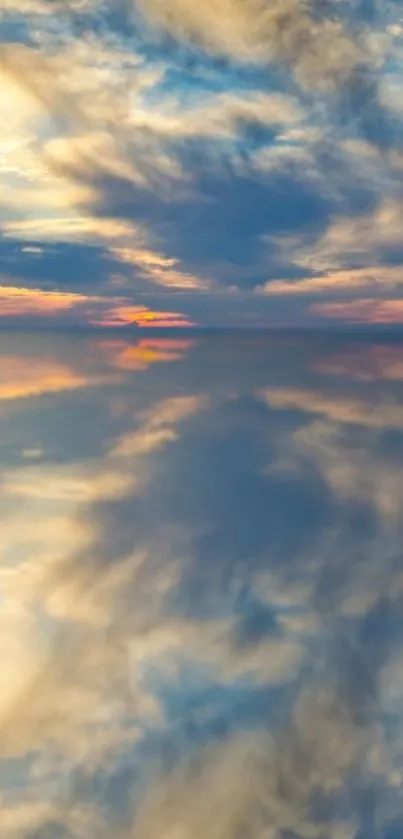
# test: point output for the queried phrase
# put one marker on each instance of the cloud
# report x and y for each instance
(217, 116)
(376, 278)
(358, 254)
(354, 247)
(66, 484)
(27, 301)
(368, 310)
(19, 303)
(353, 240)
(159, 269)
(105, 147)
(46, 7)
(140, 316)
(320, 52)
(74, 227)
(88, 88)
(252, 784)
(64, 106)
(40, 813)
(333, 52)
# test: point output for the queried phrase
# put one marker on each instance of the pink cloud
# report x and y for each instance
(141, 316)
(368, 310)
(16, 301)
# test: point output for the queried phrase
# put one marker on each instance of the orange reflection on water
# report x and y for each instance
(22, 376)
(144, 353)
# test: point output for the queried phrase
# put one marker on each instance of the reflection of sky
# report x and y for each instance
(201, 587)
(224, 163)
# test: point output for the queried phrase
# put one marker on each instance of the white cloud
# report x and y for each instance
(72, 482)
(370, 280)
(253, 785)
(349, 243)
(321, 53)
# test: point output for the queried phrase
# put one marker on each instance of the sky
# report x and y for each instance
(226, 163)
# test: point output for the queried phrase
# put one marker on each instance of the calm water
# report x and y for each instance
(201, 587)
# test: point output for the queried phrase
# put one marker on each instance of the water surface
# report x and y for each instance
(201, 586)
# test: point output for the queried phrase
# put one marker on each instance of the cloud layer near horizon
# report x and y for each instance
(242, 160)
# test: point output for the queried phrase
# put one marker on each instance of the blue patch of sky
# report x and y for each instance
(58, 264)
(15, 29)
(194, 76)
(248, 137)
(115, 16)
(240, 210)
(198, 709)
(394, 830)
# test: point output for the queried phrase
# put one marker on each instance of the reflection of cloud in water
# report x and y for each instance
(200, 625)
(145, 352)
(350, 409)
(365, 363)
(24, 374)
(22, 377)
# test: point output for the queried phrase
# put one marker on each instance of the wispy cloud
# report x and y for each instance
(376, 278)
(26, 301)
(321, 53)
(367, 310)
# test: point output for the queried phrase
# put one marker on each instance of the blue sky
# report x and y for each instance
(233, 163)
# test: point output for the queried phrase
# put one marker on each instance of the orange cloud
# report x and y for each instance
(99, 311)
(141, 316)
(368, 310)
(33, 301)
